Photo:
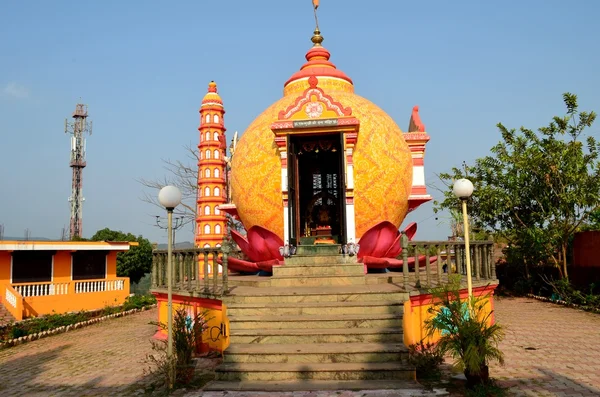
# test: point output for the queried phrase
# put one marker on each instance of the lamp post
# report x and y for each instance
(169, 197)
(463, 189)
(177, 224)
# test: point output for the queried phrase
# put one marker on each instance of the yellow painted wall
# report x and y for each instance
(216, 314)
(416, 313)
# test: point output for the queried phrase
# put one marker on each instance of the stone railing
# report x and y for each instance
(451, 259)
(41, 289)
(202, 271)
(99, 285)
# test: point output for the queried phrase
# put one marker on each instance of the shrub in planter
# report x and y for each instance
(426, 358)
(465, 332)
(187, 335)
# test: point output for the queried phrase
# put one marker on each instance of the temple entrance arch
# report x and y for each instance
(316, 189)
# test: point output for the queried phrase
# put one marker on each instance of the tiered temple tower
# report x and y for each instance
(210, 221)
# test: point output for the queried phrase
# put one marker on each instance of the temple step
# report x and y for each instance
(396, 388)
(317, 321)
(318, 249)
(309, 260)
(316, 371)
(335, 335)
(319, 269)
(306, 353)
(314, 308)
(318, 325)
(316, 281)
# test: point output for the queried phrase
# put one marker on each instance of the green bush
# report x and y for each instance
(426, 358)
(139, 301)
(51, 321)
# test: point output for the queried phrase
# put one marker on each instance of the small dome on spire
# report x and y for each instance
(212, 98)
(318, 64)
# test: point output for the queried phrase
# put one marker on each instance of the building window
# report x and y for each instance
(217, 229)
(207, 210)
(216, 172)
(207, 154)
(217, 192)
(216, 136)
(207, 173)
(89, 265)
(206, 229)
(31, 266)
(201, 136)
(217, 211)
(216, 118)
(216, 154)
(207, 192)
(206, 245)
(207, 118)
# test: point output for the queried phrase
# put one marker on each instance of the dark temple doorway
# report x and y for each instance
(316, 187)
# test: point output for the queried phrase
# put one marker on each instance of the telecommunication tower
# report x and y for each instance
(77, 130)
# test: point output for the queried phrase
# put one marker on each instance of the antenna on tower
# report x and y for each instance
(77, 129)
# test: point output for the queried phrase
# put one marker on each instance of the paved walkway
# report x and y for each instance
(103, 359)
(550, 351)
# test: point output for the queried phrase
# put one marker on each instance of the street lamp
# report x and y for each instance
(178, 223)
(169, 197)
(463, 189)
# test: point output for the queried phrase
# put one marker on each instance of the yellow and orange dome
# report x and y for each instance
(212, 98)
(382, 159)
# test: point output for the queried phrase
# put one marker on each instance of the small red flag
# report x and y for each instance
(315, 4)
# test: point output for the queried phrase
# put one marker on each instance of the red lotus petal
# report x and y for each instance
(244, 245)
(238, 265)
(377, 240)
(267, 266)
(395, 249)
(411, 230)
(264, 243)
(374, 263)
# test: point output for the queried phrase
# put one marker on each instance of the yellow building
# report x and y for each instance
(43, 277)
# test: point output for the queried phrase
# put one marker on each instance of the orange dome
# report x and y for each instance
(382, 159)
(212, 98)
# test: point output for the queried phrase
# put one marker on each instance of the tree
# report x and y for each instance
(537, 188)
(133, 263)
(184, 175)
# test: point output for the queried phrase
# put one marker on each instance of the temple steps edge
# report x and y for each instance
(316, 371)
(315, 308)
(402, 388)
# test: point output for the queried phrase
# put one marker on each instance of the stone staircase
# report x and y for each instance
(5, 316)
(315, 325)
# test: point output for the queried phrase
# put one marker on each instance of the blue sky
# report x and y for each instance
(143, 68)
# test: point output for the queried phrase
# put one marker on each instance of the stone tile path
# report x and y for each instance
(550, 351)
(103, 359)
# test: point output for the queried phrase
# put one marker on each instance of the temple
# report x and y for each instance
(308, 277)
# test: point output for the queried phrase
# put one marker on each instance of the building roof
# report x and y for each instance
(66, 245)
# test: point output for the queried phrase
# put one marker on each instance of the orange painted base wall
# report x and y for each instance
(215, 314)
(39, 305)
(416, 313)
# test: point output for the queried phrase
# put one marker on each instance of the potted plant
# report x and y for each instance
(465, 331)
